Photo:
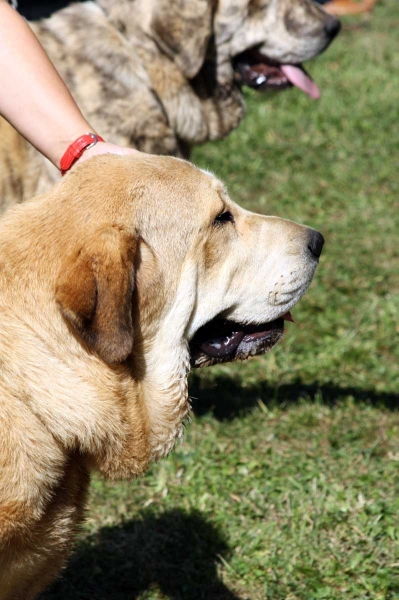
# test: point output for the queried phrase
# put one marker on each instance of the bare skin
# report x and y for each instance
(34, 99)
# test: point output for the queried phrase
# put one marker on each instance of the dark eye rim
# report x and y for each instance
(224, 217)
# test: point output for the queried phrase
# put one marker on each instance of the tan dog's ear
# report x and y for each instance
(94, 291)
(182, 29)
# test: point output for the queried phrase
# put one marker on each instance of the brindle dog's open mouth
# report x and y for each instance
(259, 72)
(221, 340)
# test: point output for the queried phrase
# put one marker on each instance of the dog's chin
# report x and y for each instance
(222, 341)
(257, 71)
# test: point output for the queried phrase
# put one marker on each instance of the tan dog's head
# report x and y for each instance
(165, 267)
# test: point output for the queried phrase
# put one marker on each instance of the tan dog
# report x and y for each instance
(111, 284)
(163, 75)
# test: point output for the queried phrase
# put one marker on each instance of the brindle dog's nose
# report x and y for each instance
(315, 243)
(332, 27)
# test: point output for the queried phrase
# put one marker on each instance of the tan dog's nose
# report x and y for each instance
(315, 243)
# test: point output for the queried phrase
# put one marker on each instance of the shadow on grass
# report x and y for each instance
(176, 553)
(226, 398)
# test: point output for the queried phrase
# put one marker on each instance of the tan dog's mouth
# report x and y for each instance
(222, 340)
(261, 73)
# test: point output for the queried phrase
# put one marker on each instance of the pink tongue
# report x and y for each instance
(298, 78)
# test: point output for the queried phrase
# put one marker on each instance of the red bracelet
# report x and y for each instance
(76, 149)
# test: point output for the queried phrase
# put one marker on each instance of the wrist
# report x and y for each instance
(65, 134)
(75, 150)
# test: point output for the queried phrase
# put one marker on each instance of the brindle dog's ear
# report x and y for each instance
(94, 291)
(182, 29)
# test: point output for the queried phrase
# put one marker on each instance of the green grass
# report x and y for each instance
(287, 484)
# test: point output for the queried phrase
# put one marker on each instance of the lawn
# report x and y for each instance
(286, 486)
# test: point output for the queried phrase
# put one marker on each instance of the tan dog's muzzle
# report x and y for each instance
(224, 339)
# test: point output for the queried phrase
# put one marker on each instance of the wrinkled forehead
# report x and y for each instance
(178, 202)
(217, 186)
(184, 188)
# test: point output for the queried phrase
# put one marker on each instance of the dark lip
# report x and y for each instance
(259, 72)
(222, 340)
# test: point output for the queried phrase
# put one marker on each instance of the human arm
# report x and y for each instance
(34, 98)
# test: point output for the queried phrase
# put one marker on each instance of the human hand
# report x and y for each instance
(104, 148)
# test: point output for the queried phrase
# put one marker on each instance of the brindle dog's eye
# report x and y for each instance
(224, 217)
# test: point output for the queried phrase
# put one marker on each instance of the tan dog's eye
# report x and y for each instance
(224, 217)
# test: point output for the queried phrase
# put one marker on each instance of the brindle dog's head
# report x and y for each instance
(274, 37)
(204, 51)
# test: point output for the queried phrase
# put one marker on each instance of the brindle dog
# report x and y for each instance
(163, 75)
